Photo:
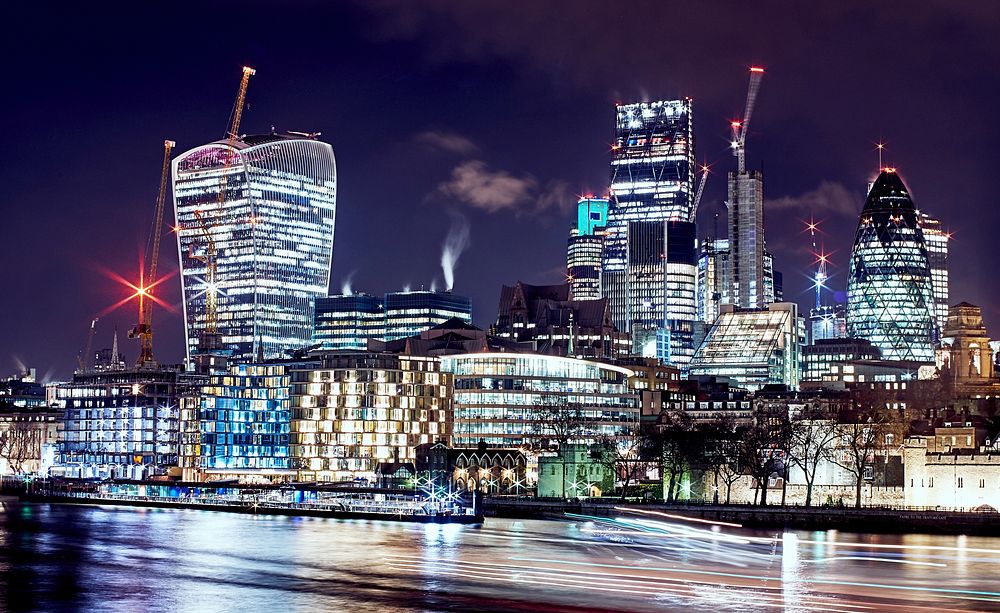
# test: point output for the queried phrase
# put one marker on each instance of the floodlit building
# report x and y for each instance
(649, 268)
(584, 248)
(409, 313)
(355, 410)
(508, 399)
(238, 424)
(30, 435)
(954, 466)
(745, 285)
(890, 298)
(556, 323)
(269, 239)
(123, 424)
(753, 347)
(348, 321)
(965, 356)
(936, 239)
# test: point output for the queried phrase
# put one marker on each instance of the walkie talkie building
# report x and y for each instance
(270, 239)
(890, 300)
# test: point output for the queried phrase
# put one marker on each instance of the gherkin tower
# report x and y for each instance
(889, 293)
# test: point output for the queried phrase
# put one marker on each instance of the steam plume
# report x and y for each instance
(454, 244)
(345, 287)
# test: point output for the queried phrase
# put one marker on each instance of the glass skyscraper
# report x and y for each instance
(348, 321)
(272, 238)
(409, 313)
(937, 239)
(583, 252)
(890, 299)
(652, 294)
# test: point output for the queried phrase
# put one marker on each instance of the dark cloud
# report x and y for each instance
(829, 198)
(446, 141)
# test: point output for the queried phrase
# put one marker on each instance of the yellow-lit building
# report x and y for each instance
(358, 409)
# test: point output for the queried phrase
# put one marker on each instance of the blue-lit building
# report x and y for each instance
(584, 248)
(239, 423)
(890, 300)
(347, 321)
(649, 271)
(269, 239)
(409, 313)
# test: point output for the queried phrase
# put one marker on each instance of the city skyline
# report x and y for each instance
(442, 157)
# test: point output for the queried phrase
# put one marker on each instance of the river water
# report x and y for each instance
(89, 558)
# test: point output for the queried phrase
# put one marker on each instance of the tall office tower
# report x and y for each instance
(745, 281)
(652, 183)
(583, 251)
(890, 299)
(348, 321)
(827, 322)
(773, 290)
(409, 313)
(937, 254)
(262, 248)
(713, 257)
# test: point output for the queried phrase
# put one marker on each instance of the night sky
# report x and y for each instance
(494, 114)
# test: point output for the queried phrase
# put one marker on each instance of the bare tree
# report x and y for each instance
(763, 443)
(722, 454)
(622, 455)
(674, 437)
(558, 423)
(811, 442)
(861, 439)
(19, 442)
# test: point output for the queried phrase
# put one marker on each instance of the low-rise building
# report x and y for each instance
(952, 467)
(28, 438)
(572, 472)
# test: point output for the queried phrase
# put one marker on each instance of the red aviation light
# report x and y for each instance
(736, 124)
(889, 169)
(756, 69)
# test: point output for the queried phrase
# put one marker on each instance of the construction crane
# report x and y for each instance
(741, 127)
(144, 329)
(210, 339)
(85, 356)
(699, 193)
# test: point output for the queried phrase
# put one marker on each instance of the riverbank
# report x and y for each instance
(253, 508)
(863, 520)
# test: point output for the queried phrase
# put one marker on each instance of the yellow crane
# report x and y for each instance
(144, 329)
(209, 339)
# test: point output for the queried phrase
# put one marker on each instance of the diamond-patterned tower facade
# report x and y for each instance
(889, 294)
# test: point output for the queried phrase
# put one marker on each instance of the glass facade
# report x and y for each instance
(239, 422)
(272, 234)
(651, 184)
(827, 322)
(355, 410)
(409, 313)
(890, 300)
(819, 358)
(586, 244)
(508, 399)
(348, 321)
(937, 239)
(753, 347)
(122, 424)
(713, 258)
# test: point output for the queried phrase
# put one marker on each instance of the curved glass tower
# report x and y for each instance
(272, 237)
(889, 293)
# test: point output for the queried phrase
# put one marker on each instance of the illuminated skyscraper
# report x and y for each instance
(713, 258)
(649, 266)
(583, 253)
(937, 256)
(745, 281)
(269, 239)
(890, 299)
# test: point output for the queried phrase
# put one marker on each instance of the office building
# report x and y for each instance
(827, 322)
(355, 410)
(511, 399)
(262, 249)
(584, 248)
(936, 239)
(753, 347)
(649, 265)
(890, 299)
(122, 424)
(554, 322)
(409, 313)
(819, 358)
(713, 259)
(745, 286)
(348, 321)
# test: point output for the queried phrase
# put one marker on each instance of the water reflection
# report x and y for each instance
(119, 559)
